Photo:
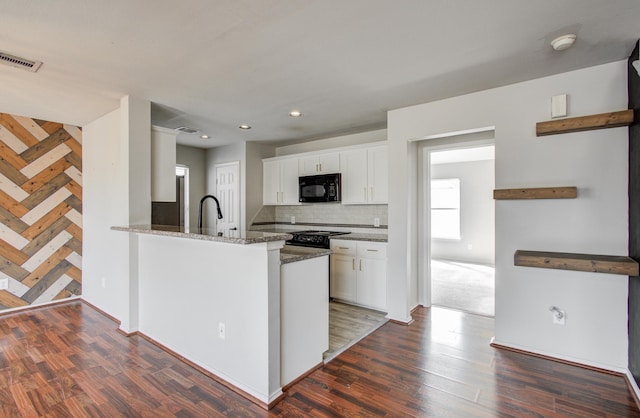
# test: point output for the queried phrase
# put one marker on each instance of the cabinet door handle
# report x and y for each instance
(365, 194)
(353, 264)
(360, 265)
(375, 251)
(320, 166)
(343, 248)
(371, 195)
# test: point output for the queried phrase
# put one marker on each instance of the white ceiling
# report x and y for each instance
(213, 65)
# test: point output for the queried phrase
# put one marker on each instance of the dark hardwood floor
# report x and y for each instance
(69, 361)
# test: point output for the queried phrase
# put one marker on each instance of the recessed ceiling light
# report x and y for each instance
(204, 136)
(563, 42)
(244, 127)
(295, 113)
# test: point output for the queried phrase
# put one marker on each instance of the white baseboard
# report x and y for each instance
(577, 361)
(40, 305)
(633, 385)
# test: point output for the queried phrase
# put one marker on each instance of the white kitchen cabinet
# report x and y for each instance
(365, 175)
(280, 182)
(359, 272)
(343, 270)
(378, 175)
(354, 176)
(319, 164)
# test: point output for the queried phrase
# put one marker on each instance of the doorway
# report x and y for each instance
(174, 213)
(182, 194)
(459, 225)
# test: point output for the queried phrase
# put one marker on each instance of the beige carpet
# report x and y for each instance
(463, 286)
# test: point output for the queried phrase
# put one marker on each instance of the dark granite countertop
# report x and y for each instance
(352, 236)
(362, 237)
(206, 234)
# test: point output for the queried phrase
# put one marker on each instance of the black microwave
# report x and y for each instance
(322, 188)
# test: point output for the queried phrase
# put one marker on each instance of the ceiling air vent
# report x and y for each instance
(187, 130)
(18, 62)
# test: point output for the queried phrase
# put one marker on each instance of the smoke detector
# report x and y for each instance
(563, 42)
(187, 130)
(19, 62)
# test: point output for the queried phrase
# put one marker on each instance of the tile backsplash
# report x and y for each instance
(325, 213)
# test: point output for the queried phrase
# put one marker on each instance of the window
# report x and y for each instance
(445, 208)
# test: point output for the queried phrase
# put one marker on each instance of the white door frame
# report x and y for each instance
(185, 170)
(473, 139)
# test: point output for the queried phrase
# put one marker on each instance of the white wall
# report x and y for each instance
(226, 154)
(253, 174)
(195, 159)
(595, 222)
(105, 203)
(188, 287)
(116, 191)
(477, 216)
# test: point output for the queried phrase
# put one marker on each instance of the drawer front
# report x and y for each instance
(374, 250)
(343, 246)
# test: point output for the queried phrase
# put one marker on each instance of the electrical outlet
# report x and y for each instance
(4, 284)
(104, 282)
(470, 247)
(221, 331)
(376, 222)
(293, 220)
(559, 317)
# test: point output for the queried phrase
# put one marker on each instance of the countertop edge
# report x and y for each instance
(286, 258)
(267, 237)
(361, 237)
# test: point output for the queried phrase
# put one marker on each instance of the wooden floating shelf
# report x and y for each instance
(536, 193)
(577, 262)
(585, 123)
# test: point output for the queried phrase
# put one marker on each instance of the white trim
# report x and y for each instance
(39, 305)
(561, 357)
(632, 382)
(267, 399)
(456, 133)
(326, 151)
(185, 199)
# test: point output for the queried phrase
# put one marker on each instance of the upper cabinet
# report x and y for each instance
(365, 175)
(163, 164)
(319, 164)
(363, 167)
(280, 182)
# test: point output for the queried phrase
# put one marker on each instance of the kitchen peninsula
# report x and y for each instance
(223, 303)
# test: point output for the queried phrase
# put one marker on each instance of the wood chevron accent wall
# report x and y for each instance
(40, 211)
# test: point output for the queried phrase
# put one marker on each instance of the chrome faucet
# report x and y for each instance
(200, 210)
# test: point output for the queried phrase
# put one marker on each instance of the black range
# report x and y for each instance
(317, 239)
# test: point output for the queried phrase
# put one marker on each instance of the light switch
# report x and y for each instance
(559, 106)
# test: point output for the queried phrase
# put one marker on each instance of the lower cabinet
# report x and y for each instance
(359, 272)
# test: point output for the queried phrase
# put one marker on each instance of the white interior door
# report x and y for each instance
(228, 193)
